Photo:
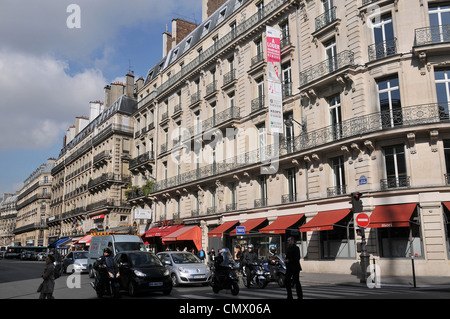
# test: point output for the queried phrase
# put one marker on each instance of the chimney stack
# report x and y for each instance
(210, 6)
(129, 90)
(180, 30)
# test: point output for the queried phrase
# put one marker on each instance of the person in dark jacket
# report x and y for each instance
(249, 257)
(49, 279)
(293, 268)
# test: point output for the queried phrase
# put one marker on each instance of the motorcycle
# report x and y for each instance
(277, 268)
(259, 276)
(106, 282)
(224, 276)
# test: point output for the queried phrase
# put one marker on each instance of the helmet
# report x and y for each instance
(108, 251)
(273, 249)
(250, 246)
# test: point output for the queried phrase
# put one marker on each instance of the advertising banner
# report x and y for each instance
(274, 80)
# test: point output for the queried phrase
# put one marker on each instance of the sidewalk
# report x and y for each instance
(308, 278)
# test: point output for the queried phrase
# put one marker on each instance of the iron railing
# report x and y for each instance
(433, 35)
(325, 19)
(382, 49)
(343, 59)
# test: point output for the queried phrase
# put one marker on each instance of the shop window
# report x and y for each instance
(339, 242)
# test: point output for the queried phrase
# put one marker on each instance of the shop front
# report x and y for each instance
(152, 238)
(186, 237)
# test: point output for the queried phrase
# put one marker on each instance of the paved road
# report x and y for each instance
(20, 279)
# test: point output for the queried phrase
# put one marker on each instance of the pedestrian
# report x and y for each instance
(293, 268)
(48, 285)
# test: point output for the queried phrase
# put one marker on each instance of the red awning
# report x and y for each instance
(325, 220)
(98, 216)
(249, 225)
(83, 240)
(281, 223)
(447, 204)
(217, 232)
(161, 231)
(193, 233)
(392, 215)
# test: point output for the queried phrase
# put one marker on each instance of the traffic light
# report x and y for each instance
(357, 206)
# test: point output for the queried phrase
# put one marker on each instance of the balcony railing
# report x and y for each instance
(211, 88)
(343, 59)
(141, 159)
(288, 198)
(258, 58)
(382, 49)
(326, 18)
(336, 190)
(262, 202)
(395, 182)
(411, 116)
(433, 35)
(258, 103)
(229, 77)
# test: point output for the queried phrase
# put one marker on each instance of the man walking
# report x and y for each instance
(293, 268)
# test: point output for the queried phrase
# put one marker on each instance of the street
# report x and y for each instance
(20, 279)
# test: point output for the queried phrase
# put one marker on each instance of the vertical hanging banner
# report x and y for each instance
(274, 80)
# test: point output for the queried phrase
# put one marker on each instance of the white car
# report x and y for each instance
(185, 268)
(79, 260)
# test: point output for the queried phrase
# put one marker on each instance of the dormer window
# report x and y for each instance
(188, 44)
(206, 28)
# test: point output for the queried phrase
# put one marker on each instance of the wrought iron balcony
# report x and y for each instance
(325, 19)
(336, 190)
(395, 182)
(229, 77)
(324, 68)
(382, 49)
(258, 103)
(433, 35)
(211, 88)
(258, 58)
(195, 97)
(231, 207)
(288, 198)
(262, 202)
(141, 159)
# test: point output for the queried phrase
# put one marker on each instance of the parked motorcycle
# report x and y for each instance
(224, 276)
(106, 283)
(277, 269)
(259, 276)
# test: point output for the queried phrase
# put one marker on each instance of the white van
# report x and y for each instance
(116, 243)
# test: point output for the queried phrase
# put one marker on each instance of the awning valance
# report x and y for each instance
(392, 215)
(218, 231)
(280, 225)
(161, 231)
(193, 233)
(325, 220)
(83, 240)
(250, 225)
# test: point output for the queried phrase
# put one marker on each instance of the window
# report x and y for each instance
(291, 185)
(439, 22)
(447, 159)
(442, 80)
(339, 186)
(334, 104)
(262, 142)
(395, 163)
(289, 132)
(331, 55)
(398, 242)
(390, 104)
(206, 28)
(339, 242)
(383, 33)
(286, 79)
(188, 44)
(263, 190)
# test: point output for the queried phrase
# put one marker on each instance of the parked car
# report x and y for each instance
(142, 271)
(79, 260)
(185, 268)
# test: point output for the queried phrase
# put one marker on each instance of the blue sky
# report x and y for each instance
(49, 72)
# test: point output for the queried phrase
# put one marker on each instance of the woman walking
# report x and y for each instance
(48, 285)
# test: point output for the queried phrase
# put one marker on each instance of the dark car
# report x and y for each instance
(142, 271)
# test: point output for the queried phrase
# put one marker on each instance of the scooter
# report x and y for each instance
(225, 278)
(277, 269)
(224, 275)
(106, 282)
(259, 276)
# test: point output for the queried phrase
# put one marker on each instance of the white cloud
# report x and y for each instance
(39, 100)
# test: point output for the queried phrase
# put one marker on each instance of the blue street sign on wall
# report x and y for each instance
(240, 230)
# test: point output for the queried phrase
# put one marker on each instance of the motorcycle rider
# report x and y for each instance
(250, 256)
(107, 261)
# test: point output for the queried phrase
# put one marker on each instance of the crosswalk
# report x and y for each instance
(272, 291)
